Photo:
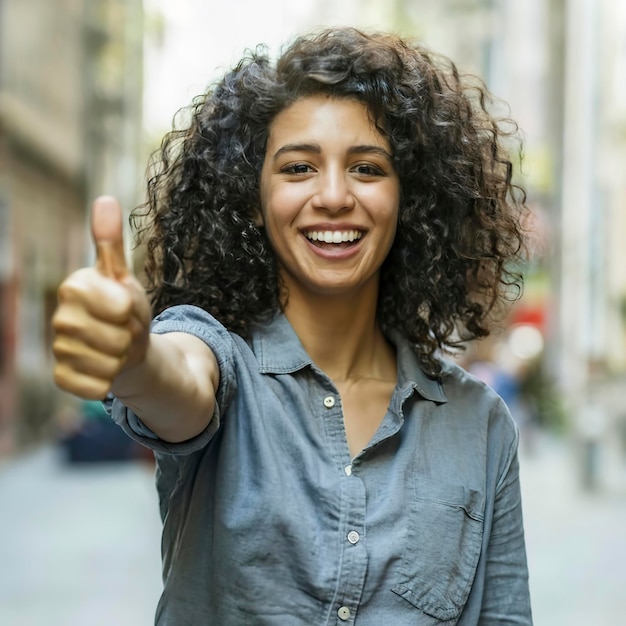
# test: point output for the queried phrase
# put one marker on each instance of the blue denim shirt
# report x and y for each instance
(269, 521)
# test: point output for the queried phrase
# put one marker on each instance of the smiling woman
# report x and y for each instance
(318, 235)
(456, 254)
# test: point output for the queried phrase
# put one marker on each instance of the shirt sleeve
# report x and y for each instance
(197, 322)
(506, 597)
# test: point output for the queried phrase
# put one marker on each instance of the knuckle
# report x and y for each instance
(62, 319)
(110, 367)
(65, 291)
(75, 284)
(99, 390)
(63, 328)
(113, 341)
(60, 347)
(93, 294)
(87, 387)
(59, 377)
(63, 379)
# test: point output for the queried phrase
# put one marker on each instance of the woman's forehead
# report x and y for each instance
(325, 117)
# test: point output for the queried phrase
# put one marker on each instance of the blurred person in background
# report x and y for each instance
(322, 230)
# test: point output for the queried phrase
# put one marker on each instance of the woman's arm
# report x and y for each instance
(173, 390)
(506, 595)
(103, 343)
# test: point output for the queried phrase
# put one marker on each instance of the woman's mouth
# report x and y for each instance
(333, 237)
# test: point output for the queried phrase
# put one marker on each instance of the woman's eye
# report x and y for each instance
(296, 168)
(366, 169)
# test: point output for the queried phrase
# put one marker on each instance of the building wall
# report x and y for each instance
(65, 106)
(612, 173)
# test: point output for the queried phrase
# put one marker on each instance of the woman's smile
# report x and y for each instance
(334, 241)
(334, 237)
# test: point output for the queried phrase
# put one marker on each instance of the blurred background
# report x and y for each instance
(88, 88)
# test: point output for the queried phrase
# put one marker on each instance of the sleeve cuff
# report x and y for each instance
(197, 322)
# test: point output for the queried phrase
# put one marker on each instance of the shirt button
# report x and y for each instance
(343, 613)
(348, 470)
(329, 402)
(353, 537)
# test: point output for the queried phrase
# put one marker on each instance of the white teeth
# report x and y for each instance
(334, 236)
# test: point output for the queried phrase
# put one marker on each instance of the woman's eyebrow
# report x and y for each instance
(369, 149)
(298, 147)
(317, 149)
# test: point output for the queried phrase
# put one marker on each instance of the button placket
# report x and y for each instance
(353, 569)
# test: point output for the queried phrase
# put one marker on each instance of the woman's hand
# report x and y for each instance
(103, 316)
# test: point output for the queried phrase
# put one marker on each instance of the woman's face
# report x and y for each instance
(329, 196)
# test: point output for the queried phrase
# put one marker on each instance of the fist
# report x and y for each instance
(102, 321)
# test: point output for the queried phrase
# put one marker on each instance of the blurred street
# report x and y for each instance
(81, 543)
(576, 539)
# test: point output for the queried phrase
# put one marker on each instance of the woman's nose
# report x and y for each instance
(334, 192)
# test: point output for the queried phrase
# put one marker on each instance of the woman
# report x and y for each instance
(320, 233)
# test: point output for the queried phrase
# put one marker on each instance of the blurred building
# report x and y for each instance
(561, 67)
(593, 262)
(70, 125)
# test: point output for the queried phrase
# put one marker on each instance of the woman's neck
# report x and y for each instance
(342, 334)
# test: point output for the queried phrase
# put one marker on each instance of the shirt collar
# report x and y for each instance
(411, 373)
(279, 351)
(277, 347)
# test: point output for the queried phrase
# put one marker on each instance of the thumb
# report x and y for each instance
(107, 231)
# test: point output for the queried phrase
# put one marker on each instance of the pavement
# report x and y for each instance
(575, 534)
(80, 544)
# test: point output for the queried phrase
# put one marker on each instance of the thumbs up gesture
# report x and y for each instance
(102, 320)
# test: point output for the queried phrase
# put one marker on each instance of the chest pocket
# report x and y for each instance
(444, 541)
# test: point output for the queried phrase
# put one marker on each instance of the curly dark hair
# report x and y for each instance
(459, 244)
